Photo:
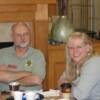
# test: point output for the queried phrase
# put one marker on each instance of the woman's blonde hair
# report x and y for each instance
(71, 68)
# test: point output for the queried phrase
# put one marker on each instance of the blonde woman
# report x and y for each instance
(82, 67)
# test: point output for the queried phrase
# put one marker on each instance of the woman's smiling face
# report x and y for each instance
(77, 49)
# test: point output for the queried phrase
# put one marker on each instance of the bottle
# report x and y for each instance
(66, 90)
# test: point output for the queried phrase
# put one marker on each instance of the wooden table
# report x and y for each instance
(4, 96)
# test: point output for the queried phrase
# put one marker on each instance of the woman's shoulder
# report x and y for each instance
(93, 63)
(94, 59)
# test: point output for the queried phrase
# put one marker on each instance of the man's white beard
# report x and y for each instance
(24, 45)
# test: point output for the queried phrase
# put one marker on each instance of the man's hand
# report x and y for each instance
(10, 67)
(30, 80)
(9, 76)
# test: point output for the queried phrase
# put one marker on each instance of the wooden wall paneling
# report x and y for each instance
(56, 64)
(59, 67)
(52, 10)
(16, 16)
(41, 27)
(41, 40)
(17, 8)
(97, 46)
(27, 1)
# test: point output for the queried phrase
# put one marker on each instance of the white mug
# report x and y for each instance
(30, 95)
(17, 95)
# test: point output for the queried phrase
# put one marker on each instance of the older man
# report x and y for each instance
(21, 62)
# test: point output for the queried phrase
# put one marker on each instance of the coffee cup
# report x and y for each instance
(30, 95)
(17, 95)
(14, 86)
